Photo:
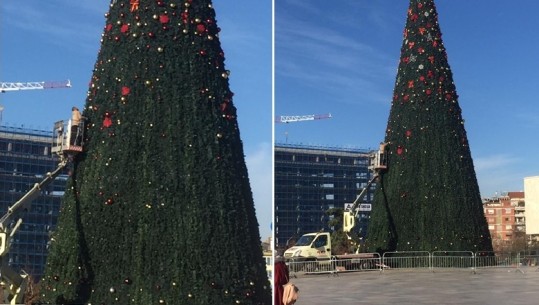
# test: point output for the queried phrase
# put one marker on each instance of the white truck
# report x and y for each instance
(312, 253)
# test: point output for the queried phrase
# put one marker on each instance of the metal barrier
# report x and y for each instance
(344, 263)
(416, 261)
(311, 267)
(361, 262)
(452, 260)
(406, 260)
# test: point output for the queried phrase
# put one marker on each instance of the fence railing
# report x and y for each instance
(417, 261)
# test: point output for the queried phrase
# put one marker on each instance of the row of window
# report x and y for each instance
(308, 158)
(493, 211)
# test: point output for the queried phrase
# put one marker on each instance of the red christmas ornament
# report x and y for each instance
(408, 133)
(124, 28)
(223, 107)
(108, 27)
(201, 28)
(400, 150)
(109, 201)
(184, 16)
(107, 122)
(125, 90)
(428, 91)
(410, 84)
(163, 19)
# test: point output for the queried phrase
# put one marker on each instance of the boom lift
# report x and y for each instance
(317, 246)
(66, 145)
(378, 166)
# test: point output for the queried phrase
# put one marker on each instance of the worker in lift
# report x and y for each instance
(382, 157)
(76, 117)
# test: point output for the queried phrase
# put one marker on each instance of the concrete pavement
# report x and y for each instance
(409, 287)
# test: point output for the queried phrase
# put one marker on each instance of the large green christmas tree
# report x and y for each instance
(429, 199)
(158, 209)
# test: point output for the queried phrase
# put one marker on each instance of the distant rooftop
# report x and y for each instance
(315, 148)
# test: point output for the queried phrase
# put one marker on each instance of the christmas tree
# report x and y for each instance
(158, 209)
(428, 199)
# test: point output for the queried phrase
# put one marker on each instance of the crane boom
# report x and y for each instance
(299, 118)
(6, 86)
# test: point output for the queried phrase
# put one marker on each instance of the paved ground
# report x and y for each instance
(485, 287)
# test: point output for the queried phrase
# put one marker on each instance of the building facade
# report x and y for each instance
(506, 220)
(25, 159)
(311, 180)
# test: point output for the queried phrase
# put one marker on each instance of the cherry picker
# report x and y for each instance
(378, 166)
(66, 143)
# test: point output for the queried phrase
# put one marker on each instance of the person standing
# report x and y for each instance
(281, 276)
(75, 121)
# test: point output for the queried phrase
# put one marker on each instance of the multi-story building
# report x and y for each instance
(311, 180)
(25, 159)
(506, 219)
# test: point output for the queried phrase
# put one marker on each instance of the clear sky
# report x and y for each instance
(341, 57)
(59, 40)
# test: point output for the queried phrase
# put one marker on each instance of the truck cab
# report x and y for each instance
(310, 247)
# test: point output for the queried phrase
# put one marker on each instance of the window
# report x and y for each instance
(321, 241)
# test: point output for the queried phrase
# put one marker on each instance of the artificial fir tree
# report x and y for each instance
(429, 198)
(158, 209)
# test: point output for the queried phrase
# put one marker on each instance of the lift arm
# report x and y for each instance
(349, 216)
(378, 166)
(24, 202)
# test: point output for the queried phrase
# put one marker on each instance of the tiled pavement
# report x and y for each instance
(484, 287)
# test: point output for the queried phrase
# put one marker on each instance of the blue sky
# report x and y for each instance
(59, 40)
(341, 57)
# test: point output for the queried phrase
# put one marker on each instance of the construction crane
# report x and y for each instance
(5, 86)
(299, 118)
